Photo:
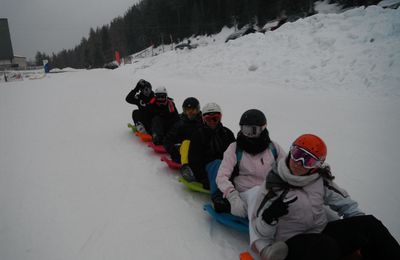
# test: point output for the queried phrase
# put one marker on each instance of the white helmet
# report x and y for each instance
(211, 108)
(160, 90)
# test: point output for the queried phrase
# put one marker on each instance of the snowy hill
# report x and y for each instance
(76, 184)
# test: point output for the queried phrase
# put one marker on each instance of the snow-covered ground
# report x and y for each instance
(76, 184)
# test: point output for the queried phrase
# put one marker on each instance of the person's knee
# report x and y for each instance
(369, 221)
(372, 219)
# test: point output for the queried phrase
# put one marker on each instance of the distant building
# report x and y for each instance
(7, 58)
(6, 50)
(19, 62)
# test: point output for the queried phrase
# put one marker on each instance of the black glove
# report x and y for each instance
(221, 205)
(277, 209)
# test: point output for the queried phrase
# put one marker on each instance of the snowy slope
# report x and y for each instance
(76, 184)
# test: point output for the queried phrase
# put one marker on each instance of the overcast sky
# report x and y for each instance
(53, 25)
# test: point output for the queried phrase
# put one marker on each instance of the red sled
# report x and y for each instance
(171, 164)
(157, 148)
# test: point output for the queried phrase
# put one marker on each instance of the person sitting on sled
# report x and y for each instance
(289, 220)
(176, 142)
(140, 96)
(207, 144)
(163, 114)
(245, 165)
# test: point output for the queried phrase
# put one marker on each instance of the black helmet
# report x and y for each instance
(253, 117)
(142, 84)
(191, 102)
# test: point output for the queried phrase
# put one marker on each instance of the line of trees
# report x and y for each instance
(155, 22)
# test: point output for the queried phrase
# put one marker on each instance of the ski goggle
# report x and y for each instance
(252, 131)
(307, 159)
(212, 118)
(161, 97)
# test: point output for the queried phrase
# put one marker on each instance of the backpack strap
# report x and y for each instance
(235, 172)
(239, 153)
(273, 184)
(273, 149)
(269, 196)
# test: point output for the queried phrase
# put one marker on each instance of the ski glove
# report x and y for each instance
(221, 204)
(277, 209)
(277, 251)
(238, 207)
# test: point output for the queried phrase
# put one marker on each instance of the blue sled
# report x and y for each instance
(237, 223)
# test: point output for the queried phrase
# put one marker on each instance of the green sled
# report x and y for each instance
(132, 127)
(194, 186)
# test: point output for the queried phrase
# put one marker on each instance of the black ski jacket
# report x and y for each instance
(135, 97)
(167, 111)
(207, 145)
(180, 131)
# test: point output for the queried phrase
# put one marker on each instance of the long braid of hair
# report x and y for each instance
(325, 172)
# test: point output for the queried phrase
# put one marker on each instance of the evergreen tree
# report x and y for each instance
(154, 21)
(106, 44)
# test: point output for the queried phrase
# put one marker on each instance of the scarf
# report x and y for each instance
(298, 181)
(253, 145)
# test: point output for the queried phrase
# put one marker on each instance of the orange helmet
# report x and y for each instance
(312, 144)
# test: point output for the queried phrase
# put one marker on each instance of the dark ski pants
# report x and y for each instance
(341, 238)
(140, 116)
(160, 125)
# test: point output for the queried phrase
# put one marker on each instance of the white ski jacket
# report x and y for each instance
(306, 215)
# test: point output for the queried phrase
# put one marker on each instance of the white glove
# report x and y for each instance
(238, 207)
(277, 251)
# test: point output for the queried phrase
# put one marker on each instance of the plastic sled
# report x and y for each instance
(246, 256)
(171, 164)
(229, 220)
(157, 148)
(144, 137)
(132, 127)
(194, 186)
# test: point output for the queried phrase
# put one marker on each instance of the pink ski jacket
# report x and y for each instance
(252, 168)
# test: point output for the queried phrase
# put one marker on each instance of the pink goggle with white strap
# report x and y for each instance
(308, 160)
